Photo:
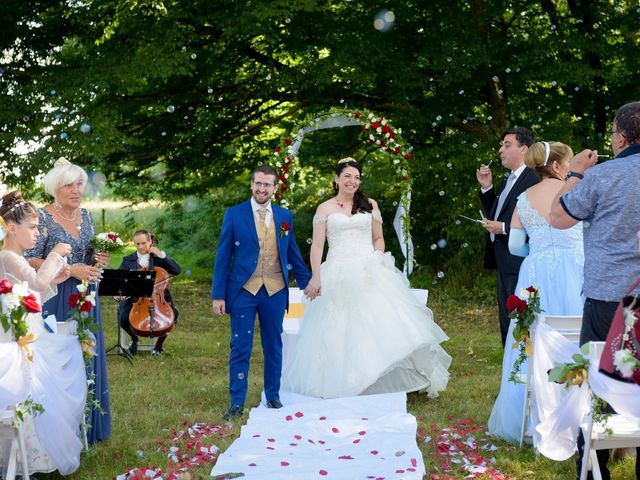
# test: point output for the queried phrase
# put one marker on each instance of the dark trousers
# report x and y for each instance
(505, 286)
(597, 317)
(123, 319)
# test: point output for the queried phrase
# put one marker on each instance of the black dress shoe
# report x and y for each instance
(275, 403)
(233, 411)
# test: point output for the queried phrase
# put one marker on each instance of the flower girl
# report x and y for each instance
(41, 373)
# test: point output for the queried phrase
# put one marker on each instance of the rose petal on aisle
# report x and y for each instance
(366, 437)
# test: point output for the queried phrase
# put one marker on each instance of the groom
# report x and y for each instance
(256, 250)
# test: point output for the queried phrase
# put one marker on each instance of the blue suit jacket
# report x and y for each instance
(239, 249)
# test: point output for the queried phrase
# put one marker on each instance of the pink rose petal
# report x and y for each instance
(411, 469)
(256, 435)
(271, 439)
(335, 430)
(374, 452)
(284, 464)
(323, 472)
(345, 457)
(297, 437)
(323, 418)
(362, 432)
(414, 462)
(399, 471)
(293, 444)
(321, 442)
(357, 440)
(299, 414)
(252, 465)
(288, 418)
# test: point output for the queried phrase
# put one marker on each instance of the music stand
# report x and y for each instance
(125, 283)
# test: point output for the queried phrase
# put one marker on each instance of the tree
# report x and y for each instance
(177, 97)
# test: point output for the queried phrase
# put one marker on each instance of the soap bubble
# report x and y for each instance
(442, 243)
(384, 20)
(440, 274)
(171, 109)
(85, 128)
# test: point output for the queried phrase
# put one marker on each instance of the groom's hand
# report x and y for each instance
(218, 307)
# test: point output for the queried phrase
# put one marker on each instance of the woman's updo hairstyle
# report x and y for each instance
(361, 202)
(541, 155)
(15, 209)
(63, 173)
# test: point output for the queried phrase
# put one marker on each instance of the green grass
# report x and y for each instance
(154, 395)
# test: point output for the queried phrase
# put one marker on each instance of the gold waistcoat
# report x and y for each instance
(268, 271)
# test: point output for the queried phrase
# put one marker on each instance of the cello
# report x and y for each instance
(153, 316)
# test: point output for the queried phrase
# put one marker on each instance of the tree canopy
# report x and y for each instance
(177, 97)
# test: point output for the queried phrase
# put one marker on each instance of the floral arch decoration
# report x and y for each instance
(378, 131)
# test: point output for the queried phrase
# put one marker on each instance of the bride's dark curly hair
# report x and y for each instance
(361, 202)
(15, 209)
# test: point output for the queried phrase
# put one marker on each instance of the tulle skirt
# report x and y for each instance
(366, 333)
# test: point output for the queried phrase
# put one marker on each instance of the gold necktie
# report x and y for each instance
(262, 224)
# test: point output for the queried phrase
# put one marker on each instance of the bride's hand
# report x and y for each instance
(314, 288)
(63, 274)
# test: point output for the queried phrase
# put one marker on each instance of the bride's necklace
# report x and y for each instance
(340, 204)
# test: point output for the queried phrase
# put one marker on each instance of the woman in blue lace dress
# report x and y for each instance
(66, 222)
(553, 263)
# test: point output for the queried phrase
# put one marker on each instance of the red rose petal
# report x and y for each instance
(321, 442)
(299, 414)
(357, 440)
(335, 430)
(414, 462)
(311, 441)
(411, 469)
(345, 457)
(288, 418)
(284, 464)
(399, 471)
(323, 418)
(256, 435)
(362, 432)
(271, 439)
(323, 472)
(252, 465)
(374, 452)
(297, 437)
(270, 448)
(293, 444)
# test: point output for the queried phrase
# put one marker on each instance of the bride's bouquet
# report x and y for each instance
(107, 242)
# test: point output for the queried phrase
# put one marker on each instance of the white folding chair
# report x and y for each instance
(624, 431)
(568, 326)
(16, 436)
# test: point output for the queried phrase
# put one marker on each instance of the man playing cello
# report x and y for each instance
(147, 256)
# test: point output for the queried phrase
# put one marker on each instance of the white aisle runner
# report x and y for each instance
(367, 437)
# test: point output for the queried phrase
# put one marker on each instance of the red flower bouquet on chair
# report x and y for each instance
(525, 312)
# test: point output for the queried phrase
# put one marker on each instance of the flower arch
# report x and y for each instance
(376, 130)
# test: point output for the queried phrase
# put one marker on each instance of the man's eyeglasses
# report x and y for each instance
(263, 185)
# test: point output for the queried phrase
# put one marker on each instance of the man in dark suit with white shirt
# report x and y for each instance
(498, 206)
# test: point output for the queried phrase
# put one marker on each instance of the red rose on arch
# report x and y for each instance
(357, 114)
(5, 286)
(283, 187)
(276, 150)
(407, 156)
(282, 177)
(375, 125)
(74, 298)
(30, 303)
(287, 141)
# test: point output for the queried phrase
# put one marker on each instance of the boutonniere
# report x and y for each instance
(284, 229)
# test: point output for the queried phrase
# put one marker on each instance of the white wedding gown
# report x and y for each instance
(366, 333)
(55, 378)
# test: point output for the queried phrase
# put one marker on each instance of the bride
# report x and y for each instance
(365, 332)
(54, 376)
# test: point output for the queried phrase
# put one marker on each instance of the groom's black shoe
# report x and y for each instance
(233, 411)
(275, 403)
